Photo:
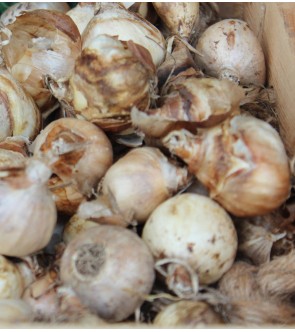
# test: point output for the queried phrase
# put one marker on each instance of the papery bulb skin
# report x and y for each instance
(230, 50)
(110, 269)
(9, 15)
(109, 79)
(43, 43)
(82, 13)
(28, 212)
(190, 103)
(114, 20)
(79, 153)
(18, 112)
(180, 17)
(41, 296)
(242, 162)
(11, 282)
(139, 181)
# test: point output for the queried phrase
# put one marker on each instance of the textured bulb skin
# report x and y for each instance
(180, 18)
(43, 42)
(110, 269)
(242, 162)
(107, 82)
(79, 153)
(141, 180)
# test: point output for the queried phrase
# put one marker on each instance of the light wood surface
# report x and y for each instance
(274, 24)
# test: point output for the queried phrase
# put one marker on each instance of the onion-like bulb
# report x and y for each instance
(230, 50)
(79, 153)
(139, 181)
(82, 13)
(242, 162)
(108, 80)
(43, 42)
(9, 15)
(187, 314)
(180, 17)
(113, 19)
(190, 102)
(27, 210)
(195, 238)
(19, 114)
(110, 269)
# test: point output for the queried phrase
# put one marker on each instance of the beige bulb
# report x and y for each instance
(43, 42)
(139, 181)
(242, 162)
(78, 153)
(230, 50)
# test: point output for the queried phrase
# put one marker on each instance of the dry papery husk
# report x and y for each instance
(141, 180)
(52, 302)
(257, 236)
(78, 153)
(90, 214)
(113, 19)
(42, 42)
(245, 185)
(144, 9)
(180, 18)
(109, 78)
(13, 153)
(9, 15)
(82, 13)
(177, 60)
(190, 103)
(19, 114)
(267, 236)
(260, 295)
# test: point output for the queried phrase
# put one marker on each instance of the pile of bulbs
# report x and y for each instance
(126, 160)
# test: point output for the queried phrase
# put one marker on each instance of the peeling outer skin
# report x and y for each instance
(193, 103)
(248, 175)
(103, 89)
(180, 18)
(19, 114)
(67, 197)
(84, 152)
(113, 19)
(82, 13)
(43, 42)
(179, 61)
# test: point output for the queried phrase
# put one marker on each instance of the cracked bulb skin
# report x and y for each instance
(110, 269)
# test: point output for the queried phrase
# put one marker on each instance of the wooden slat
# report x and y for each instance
(274, 23)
